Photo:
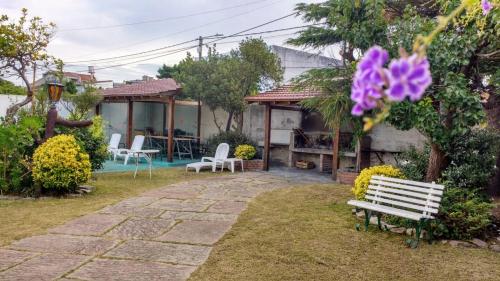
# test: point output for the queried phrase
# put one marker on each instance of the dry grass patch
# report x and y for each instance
(307, 233)
(27, 217)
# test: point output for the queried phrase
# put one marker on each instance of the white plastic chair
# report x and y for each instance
(114, 142)
(136, 146)
(220, 156)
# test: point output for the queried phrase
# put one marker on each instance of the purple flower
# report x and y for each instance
(367, 86)
(408, 77)
(487, 6)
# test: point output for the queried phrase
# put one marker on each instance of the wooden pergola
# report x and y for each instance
(155, 91)
(285, 98)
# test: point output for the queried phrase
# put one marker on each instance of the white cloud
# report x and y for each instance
(100, 43)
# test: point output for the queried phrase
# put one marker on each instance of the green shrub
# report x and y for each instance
(363, 180)
(92, 140)
(60, 165)
(245, 152)
(464, 214)
(413, 163)
(17, 143)
(234, 139)
(472, 159)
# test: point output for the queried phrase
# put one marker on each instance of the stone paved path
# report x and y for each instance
(163, 234)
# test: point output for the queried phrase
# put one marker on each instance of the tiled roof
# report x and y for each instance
(154, 88)
(283, 93)
(78, 76)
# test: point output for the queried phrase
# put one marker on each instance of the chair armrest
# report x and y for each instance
(210, 159)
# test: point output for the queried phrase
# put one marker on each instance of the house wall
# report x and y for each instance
(8, 100)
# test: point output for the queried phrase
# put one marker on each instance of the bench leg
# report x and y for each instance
(418, 230)
(368, 215)
(379, 224)
(430, 235)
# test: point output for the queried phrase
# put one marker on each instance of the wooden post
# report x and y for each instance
(267, 136)
(170, 144)
(335, 155)
(98, 110)
(130, 117)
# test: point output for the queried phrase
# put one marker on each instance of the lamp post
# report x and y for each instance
(55, 91)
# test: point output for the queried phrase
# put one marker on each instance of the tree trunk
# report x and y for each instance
(229, 121)
(239, 119)
(12, 110)
(436, 164)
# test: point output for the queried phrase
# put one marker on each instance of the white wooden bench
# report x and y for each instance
(417, 201)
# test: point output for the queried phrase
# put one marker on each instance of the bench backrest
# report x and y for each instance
(420, 197)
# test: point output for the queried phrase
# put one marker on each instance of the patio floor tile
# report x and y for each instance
(197, 232)
(194, 216)
(93, 224)
(191, 205)
(67, 244)
(228, 207)
(9, 258)
(43, 267)
(124, 270)
(163, 252)
(141, 228)
(143, 212)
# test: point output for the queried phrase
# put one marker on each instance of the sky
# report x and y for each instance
(97, 29)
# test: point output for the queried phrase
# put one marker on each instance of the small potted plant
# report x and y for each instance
(247, 153)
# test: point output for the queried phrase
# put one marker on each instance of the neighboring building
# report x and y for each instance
(104, 84)
(81, 80)
(137, 81)
(296, 62)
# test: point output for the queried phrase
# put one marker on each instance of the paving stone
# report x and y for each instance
(67, 244)
(124, 270)
(141, 228)
(199, 216)
(174, 193)
(215, 193)
(190, 205)
(43, 267)
(143, 212)
(93, 224)
(163, 252)
(244, 193)
(197, 232)
(9, 258)
(138, 201)
(227, 207)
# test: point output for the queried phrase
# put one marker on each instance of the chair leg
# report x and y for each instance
(126, 160)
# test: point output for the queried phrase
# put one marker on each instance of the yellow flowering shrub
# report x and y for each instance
(363, 180)
(60, 164)
(245, 151)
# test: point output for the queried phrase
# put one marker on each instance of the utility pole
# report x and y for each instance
(198, 129)
(33, 91)
(200, 57)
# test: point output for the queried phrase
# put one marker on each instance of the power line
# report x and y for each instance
(188, 48)
(159, 20)
(134, 54)
(185, 42)
(188, 29)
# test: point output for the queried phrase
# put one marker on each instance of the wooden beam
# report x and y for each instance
(98, 109)
(130, 117)
(170, 143)
(290, 107)
(335, 153)
(267, 136)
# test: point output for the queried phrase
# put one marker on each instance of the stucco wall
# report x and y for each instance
(7, 100)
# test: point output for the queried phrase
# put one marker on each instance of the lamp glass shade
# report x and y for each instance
(55, 91)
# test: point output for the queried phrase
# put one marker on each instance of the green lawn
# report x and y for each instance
(307, 233)
(26, 217)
